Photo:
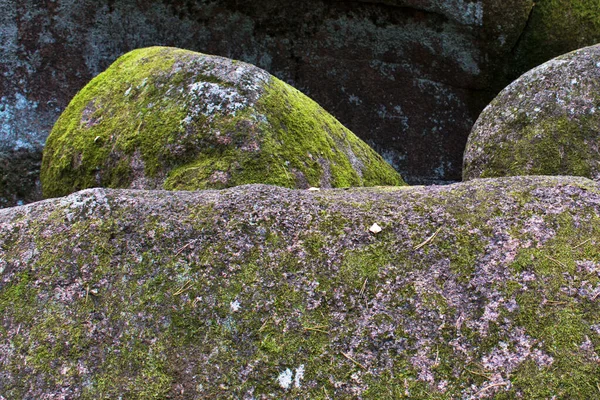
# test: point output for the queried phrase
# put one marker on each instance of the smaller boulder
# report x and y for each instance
(547, 122)
(174, 119)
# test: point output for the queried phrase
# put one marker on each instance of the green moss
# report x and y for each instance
(162, 317)
(139, 121)
(562, 322)
(556, 27)
(552, 147)
(363, 264)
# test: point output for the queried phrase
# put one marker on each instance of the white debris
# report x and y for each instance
(286, 378)
(235, 306)
(313, 189)
(375, 228)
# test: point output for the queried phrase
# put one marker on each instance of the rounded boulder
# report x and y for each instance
(166, 118)
(547, 122)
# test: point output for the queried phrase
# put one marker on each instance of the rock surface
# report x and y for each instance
(485, 289)
(555, 27)
(166, 118)
(547, 122)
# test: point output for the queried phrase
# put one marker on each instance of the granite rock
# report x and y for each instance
(484, 289)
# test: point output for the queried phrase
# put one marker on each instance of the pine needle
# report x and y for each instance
(429, 239)
(353, 360)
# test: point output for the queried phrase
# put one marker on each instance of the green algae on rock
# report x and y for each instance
(265, 292)
(169, 118)
(547, 122)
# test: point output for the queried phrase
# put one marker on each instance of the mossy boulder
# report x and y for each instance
(174, 119)
(547, 122)
(484, 289)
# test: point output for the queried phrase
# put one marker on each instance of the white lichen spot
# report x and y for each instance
(299, 375)
(285, 379)
(210, 98)
(574, 81)
(235, 305)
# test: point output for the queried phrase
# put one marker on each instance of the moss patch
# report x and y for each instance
(556, 27)
(169, 118)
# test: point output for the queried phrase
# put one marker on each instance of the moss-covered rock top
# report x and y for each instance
(168, 118)
(485, 289)
(547, 122)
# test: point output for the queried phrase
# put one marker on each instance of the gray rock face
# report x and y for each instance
(486, 289)
(409, 77)
(547, 122)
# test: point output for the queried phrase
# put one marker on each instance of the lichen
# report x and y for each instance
(544, 123)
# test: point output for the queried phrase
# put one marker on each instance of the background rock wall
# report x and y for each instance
(410, 77)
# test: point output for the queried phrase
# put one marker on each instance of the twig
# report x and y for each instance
(556, 261)
(185, 287)
(87, 293)
(316, 329)
(353, 360)
(326, 394)
(492, 386)
(581, 244)
(364, 287)
(557, 303)
(487, 376)
(185, 247)
(264, 324)
(429, 239)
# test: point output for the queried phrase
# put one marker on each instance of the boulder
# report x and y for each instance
(409, 77)
(547, 122)
(168, 118)
(484, 289)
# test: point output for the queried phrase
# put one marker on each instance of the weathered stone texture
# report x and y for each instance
(404, 76)
(485, 289)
